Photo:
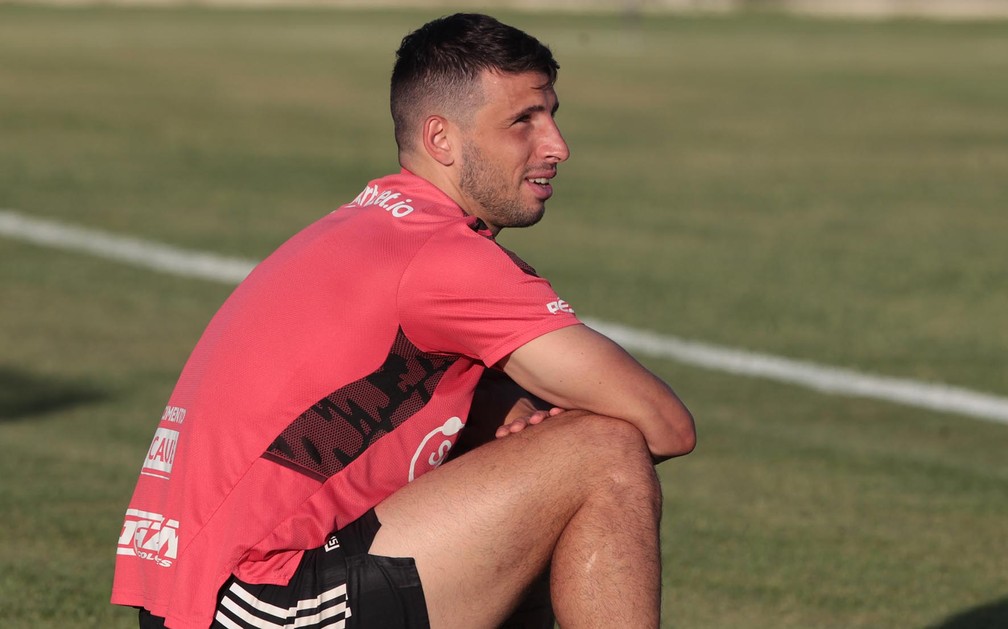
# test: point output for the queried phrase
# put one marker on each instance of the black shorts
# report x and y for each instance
(337, 586)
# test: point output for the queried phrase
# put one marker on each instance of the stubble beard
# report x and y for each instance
(489, 187)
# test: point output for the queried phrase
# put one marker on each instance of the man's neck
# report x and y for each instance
(440, 177)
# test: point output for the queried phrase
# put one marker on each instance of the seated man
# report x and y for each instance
(298, 475)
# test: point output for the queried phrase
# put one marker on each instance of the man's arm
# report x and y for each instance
(578, 368)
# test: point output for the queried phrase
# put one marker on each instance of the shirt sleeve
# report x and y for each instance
(464, 294)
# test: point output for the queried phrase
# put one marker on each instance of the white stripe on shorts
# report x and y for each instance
(273, 617)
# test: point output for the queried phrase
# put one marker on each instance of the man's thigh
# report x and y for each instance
(482, 527)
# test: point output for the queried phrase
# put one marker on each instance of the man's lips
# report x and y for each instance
(541, 185)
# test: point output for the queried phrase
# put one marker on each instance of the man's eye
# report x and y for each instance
(523, 119)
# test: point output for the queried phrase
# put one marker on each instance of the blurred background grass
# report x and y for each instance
(822, 189)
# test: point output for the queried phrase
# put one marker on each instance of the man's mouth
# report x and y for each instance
(541, 187)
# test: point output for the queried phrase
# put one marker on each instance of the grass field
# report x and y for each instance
(824, 190)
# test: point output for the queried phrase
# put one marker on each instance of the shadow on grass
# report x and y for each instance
(990, 616)
(24, 395)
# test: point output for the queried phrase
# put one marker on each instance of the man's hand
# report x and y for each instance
(522, 422)
(500, 408)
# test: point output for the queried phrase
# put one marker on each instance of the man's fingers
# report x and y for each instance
(522, 423)
(516, 426)
(536, 417)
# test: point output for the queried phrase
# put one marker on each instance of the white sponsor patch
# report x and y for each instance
(161, 454)
(149, 536)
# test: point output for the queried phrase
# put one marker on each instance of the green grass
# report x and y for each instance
(824, 190)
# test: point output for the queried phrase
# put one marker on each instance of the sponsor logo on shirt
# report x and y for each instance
(559, 306)
(149, 536)
(387, 200)
(173, 414)
(161, 454)
(439, 451)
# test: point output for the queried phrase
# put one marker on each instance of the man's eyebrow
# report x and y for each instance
(535, 109)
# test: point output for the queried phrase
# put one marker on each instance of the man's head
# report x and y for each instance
(438, 68)
(473, 103)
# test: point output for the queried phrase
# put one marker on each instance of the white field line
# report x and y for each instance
(143, 253)
(833, 380)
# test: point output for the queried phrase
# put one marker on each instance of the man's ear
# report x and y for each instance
(439, 140)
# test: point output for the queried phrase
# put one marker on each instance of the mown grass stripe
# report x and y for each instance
(833, 380)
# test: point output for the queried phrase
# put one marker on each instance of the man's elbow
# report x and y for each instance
(678, 437)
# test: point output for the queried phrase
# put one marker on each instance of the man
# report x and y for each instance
(296, 476)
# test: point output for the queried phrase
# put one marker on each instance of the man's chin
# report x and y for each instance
(529, 219)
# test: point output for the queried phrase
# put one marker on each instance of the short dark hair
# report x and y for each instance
(444, 58)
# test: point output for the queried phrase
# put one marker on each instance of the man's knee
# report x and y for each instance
(586, 455)
(613, 454)
(606, 437)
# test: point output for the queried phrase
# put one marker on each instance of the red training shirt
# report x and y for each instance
(342, 368)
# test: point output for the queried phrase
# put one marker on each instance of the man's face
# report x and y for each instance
(511, 150)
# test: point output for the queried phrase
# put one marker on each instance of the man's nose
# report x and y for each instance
(554, 146)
